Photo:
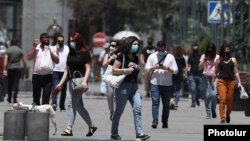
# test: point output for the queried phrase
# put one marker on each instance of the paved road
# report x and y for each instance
(185, 124)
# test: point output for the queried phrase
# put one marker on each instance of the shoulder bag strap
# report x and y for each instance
(163, 57)
(123, 62)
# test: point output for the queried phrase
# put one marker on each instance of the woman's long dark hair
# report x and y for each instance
(223, 48)
(212, 54)
(127, 43)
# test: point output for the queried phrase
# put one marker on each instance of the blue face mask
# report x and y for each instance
(73, 45)
(161, 53)
(134, 48)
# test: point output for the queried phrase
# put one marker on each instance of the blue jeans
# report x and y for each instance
(56, 77)
(210, 97)
(165, 93)
(76, 104)
(195, 86)
(127, 91)
(177, 90)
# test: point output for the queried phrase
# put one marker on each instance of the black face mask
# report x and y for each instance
(60, 43)
(46, 43)
(150, 42)
(195, 50)
(226, 53)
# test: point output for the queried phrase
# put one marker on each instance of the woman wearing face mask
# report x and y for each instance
(207, 63)
(79, 59)
(226, 70)
(194, 75)
(109, 59)
(128, 90)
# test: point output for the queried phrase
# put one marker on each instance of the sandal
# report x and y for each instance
(91, 131)
(67, 132)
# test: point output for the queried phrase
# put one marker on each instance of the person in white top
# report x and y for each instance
(42, 78)
(103, 85)
(161, 65)
(63, 51)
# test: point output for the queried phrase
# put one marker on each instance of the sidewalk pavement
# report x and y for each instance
(185, 123)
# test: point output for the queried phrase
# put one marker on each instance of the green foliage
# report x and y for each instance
(139, 15)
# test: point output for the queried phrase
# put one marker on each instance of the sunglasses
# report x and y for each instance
(113, 45)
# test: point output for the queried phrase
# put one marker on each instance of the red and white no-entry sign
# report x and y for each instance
(99, 39)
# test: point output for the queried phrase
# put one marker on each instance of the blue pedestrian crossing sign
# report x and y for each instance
(215, 11)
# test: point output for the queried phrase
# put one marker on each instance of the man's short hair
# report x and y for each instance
(161, 44)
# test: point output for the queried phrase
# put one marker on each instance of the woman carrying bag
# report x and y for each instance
(79, 60)
(128, 90)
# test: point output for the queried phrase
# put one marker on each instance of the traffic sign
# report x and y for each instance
(99, 39)
(215, 11)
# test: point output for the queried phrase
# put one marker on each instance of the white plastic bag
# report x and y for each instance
(243, 93)
(47, 63)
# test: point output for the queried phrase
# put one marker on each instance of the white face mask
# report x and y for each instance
(73, 45)
(112, 49)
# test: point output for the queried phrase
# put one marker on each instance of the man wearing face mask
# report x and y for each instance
(42, 78)
(63, 51)
(194, 75)
(161, 65)
(226, 71)
(149, 49)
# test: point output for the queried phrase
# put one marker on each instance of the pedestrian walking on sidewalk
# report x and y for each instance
(14, 64)
(207, 64)
(42, 77)
(79, 59)
(178, 79)
(162, 66)
(194, 75)
(128, 90)
(146, 51)
(109, 59)
(63, 51)
(226, 71)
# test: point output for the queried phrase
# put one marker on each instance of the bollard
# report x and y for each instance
(14, 125)
(37, 126)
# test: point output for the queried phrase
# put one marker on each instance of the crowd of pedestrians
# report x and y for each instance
(209, 76)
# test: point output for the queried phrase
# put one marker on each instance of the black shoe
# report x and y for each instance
(228, 119)
(198, 102)
(14, 101)
(214, 114)
(165, 125)
(192, 105)
(116, 137)
(111, 115)
(154, 125)
(142, 137)
(9, 100)
(147, 95)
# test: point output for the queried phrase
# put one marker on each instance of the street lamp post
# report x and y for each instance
(54, 30)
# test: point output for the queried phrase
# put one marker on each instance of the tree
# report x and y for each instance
(110, 16)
